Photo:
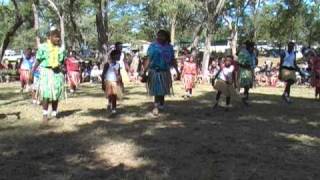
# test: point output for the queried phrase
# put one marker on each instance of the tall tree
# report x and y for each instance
(35, 5)
(19, 19)
(60, 14)
(102, 27)
(213, 9)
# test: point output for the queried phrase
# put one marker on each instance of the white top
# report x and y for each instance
(226, 73)
(289, 59)
(27, 63)
(121, 61)
(111, 74)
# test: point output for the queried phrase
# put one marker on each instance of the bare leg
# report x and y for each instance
(45, 107)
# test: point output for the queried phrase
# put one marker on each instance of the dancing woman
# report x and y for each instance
(50, 56)
(287, 71)
(160, 59)
(247, 62)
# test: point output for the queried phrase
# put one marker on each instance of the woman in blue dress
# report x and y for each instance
(160, 59)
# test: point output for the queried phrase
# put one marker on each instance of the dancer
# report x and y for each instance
(247, 62)
(161, 58)
(315, 70)
(36, 84)
(189, 75)
(50, 57)
(287, 71)
(25, 65)
(73, 71)
(224, 82)
(111, 81)
(123, 65)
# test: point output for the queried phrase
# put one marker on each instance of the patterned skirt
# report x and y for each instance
(246, 78)
(24, 75)
(74, 78)
(188, 80)
(159, 83)
(51, 85)
(287, 75)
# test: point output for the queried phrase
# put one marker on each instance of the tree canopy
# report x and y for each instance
(275, 22)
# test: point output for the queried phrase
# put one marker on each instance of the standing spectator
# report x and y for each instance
(73, 71)
(25, 65)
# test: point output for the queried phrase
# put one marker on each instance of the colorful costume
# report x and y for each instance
(159, 81)
(288, 70)
(25, 68)
(73, 70)
(51, 77)
(189, 74)
(111, 80)
(247, 65)
(224, 81)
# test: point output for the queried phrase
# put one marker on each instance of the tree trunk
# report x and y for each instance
(173, 28)
(12, 30)
(77, 36)
(196, 37)
(234, 41)
(207, 52)
(102, 28)
(36, 23)
(61, 18)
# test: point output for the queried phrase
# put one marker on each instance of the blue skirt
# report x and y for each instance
(159, 83)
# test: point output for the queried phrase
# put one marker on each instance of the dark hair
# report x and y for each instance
(230, 56)
(118, 43)
(55, 32)
(249, 44)
(166, 34)
(291, 44)
(113, 54)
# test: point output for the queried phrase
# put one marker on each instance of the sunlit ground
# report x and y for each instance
(189, 140)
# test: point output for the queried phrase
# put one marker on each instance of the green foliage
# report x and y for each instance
(274, 21)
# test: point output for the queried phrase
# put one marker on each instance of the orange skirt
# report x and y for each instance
(113, 88)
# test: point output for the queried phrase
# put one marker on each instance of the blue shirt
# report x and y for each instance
(160, 56)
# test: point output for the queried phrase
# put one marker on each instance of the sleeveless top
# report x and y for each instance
(289, 59)
(27, 63)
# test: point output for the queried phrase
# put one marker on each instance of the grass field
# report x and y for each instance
(268, 141)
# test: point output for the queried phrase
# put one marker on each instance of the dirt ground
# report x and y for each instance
(268, 141)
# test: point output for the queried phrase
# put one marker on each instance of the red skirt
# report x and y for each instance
(188, 80)
(315, 80)
(74, 78)
(24, 75)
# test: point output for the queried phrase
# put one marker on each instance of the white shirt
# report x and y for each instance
(289, 59)
(121, 61)
(111, 74)
(226, 73)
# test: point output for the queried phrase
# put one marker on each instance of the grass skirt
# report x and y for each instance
(222, 86)
(188, 80)
(245, 77)
(113, 88)
(51, 85)
(287, 75)
(159, 83)
(74, 78)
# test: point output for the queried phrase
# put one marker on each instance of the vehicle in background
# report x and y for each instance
(11, 56)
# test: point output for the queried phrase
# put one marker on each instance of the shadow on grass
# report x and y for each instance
(269, 140)
(64, 114)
